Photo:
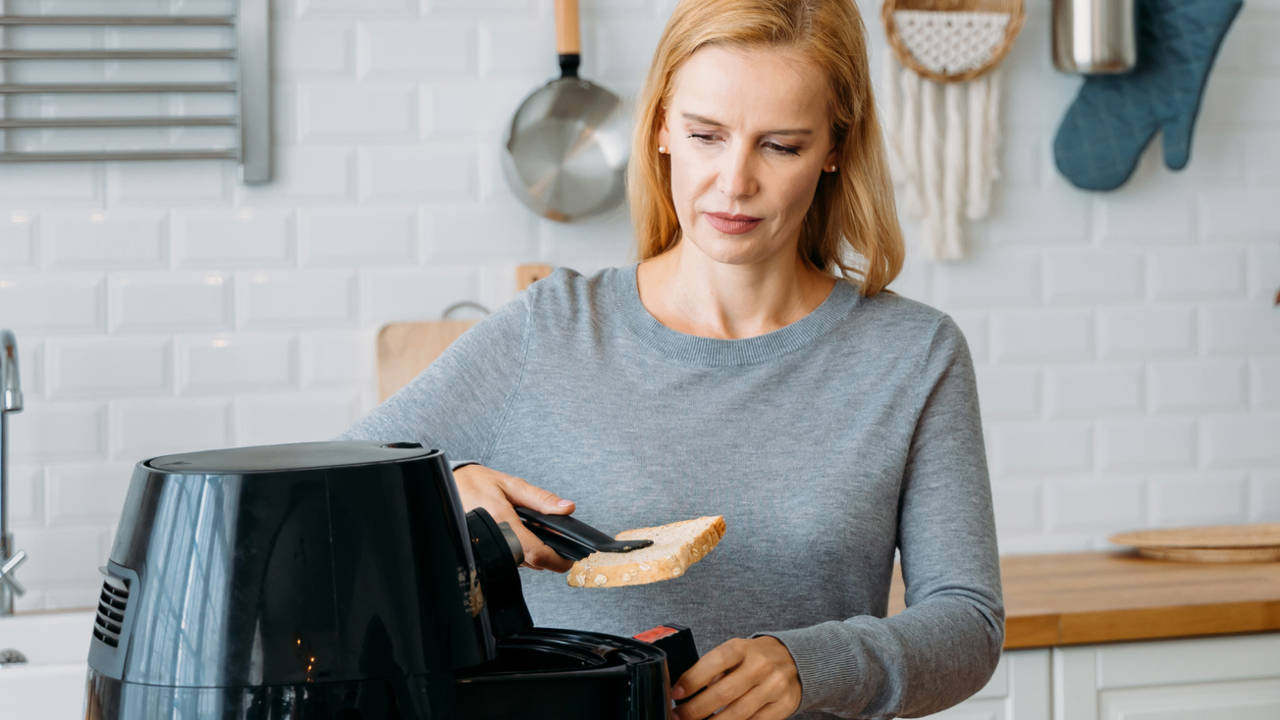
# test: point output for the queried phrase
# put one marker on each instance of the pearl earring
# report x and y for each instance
(662, 149)
(831, 168)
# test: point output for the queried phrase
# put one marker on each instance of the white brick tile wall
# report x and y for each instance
(31, 367)
(1264, 381)
(317, 47)
(1047, 335)
(1126, 346)
(1197, 385)
(1239, 214)
(295, 299)
(52, 431)
(58, 184)
(1093, 276)
(461, 108)
(1264, 494)
(481, 234)
(590, 242)
(305, 176)
(1263, 160)
(400, 49)
(269, 419)
(1150, 217)
(167, 184)
(1197, 274)
(520, 47)
(359, 8)
(87, 493)
(174, 302)
(101, 368)
(1264, 271)
(245, 237)
(360, 237)
(18, 247)
(55, 553)
(1237, 328)
(1241, 440)
(1011, 280)
(240, 362)
(1074, 507)
(1146, 331)
(415, 174)
(974, 326)
(1018, 507)
(1089, 391)
(398, 295)
(1040, 447)
(357, 113)
(1008, 393)
(1231, 99)
(337, 358)
(1148, 442)
(63, 303)
(1178, 501)
(1020, 217)
(26, 496)
(116, 239)
(145, 428)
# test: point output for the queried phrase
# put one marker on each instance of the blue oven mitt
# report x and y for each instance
(1114, 116)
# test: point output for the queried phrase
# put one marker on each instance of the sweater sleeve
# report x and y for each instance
(945, 645)
(459, 402)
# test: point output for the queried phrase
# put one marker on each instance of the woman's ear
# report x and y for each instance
(664, 137)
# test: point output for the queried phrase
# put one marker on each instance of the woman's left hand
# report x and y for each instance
(753, 678)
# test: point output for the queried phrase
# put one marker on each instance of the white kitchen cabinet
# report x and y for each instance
(1017, 690)
(1214, 678)
(1234, 677)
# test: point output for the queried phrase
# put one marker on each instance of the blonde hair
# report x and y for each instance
(853, 209)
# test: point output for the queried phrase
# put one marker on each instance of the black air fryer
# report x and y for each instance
(335, 581)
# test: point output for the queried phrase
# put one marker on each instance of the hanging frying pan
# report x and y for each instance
(565, 152)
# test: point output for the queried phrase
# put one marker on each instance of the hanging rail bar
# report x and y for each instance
(252, 89)
(10, 157)
(117, 54)
(118, 122)
(120, 20)
(253, 38)
(41, 88)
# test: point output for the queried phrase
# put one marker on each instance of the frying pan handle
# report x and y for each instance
(568, 40)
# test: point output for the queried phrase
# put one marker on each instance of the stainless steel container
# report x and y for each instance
(1094, 36)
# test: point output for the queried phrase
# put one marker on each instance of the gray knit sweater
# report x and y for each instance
(825, 445)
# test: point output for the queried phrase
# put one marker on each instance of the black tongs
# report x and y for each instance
(573, 538)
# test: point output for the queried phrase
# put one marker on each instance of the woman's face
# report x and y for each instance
(749, 135)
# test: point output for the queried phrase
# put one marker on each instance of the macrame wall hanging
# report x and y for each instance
(941, 108)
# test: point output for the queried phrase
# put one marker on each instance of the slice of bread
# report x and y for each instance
(675, 547)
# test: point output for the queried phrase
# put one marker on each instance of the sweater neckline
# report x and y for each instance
(712, 352)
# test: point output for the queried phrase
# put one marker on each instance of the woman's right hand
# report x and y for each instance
(500, 494)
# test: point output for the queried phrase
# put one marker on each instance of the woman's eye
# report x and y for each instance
(775, 147)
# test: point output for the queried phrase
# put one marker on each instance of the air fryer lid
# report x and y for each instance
(291, 564)
(294, 457)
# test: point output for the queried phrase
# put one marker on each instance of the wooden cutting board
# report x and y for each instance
(1258, 542)
(406, 348)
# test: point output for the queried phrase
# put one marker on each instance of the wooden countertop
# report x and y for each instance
(1097, 597)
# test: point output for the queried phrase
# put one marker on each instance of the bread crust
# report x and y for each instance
(601, 570)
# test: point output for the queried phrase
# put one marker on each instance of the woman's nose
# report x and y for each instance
(737, 174)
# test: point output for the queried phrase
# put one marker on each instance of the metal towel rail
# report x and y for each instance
(251, 87)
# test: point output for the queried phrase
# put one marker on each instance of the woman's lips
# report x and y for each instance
(733, 224)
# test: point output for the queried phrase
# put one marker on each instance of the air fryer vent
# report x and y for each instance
(111, 606)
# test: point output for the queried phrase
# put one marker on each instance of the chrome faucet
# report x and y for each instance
(10, 402)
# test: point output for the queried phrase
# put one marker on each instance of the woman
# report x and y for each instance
(746, 367)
